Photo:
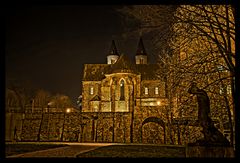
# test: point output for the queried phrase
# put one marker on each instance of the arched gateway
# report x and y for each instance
(154, 120)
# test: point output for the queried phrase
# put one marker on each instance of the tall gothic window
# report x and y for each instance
(122, 90)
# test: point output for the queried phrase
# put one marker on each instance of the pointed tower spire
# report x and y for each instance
(113, 54)
(141, 55)
(141, 50)
(113, 49)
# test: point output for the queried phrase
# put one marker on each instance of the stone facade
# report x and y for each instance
(122, 94)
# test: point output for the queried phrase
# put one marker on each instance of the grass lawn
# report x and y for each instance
(136, 151)
(13, 149)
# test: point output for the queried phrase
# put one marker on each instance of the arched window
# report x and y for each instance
(146, 90)
(122, 90)
(156, 91)
(91, 90)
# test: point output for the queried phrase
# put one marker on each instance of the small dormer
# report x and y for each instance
(141, 55)
(113, 55)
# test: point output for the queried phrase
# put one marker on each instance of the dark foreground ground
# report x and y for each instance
(93, 150)
(135, 151)
(14, 149)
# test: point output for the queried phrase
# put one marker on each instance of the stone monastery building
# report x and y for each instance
(125, 99)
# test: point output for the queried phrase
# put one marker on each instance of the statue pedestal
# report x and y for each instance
(209, 151)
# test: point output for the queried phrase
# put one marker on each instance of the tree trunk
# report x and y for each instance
(230, 119)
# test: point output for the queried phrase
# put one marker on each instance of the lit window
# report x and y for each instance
(122, 90)
(91, 90)
(95, 108)
(156, 91)
(146, 91)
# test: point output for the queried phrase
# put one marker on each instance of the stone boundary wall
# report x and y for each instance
(88, 127)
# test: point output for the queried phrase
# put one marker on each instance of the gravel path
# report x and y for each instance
(68, 151)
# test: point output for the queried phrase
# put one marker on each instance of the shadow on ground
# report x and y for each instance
(135, 151)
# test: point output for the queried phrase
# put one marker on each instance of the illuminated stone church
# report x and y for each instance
(123, 97)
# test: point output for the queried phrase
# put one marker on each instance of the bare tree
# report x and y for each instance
(42, 98)
(61, 102)
(194, 42)
(208, 32)
(23, 91)
(11, 99)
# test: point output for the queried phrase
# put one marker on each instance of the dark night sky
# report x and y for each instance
(48, 45)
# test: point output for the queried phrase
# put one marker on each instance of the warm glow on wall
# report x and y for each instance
(68, 110)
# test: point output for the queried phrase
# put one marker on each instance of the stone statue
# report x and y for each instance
(211, 134)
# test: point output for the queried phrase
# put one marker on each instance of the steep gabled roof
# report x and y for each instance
(113, 49)
(94, 72)
(123, 64)
(140, 49)
(147, 71)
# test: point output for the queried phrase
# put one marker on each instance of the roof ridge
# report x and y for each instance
(124, 64)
